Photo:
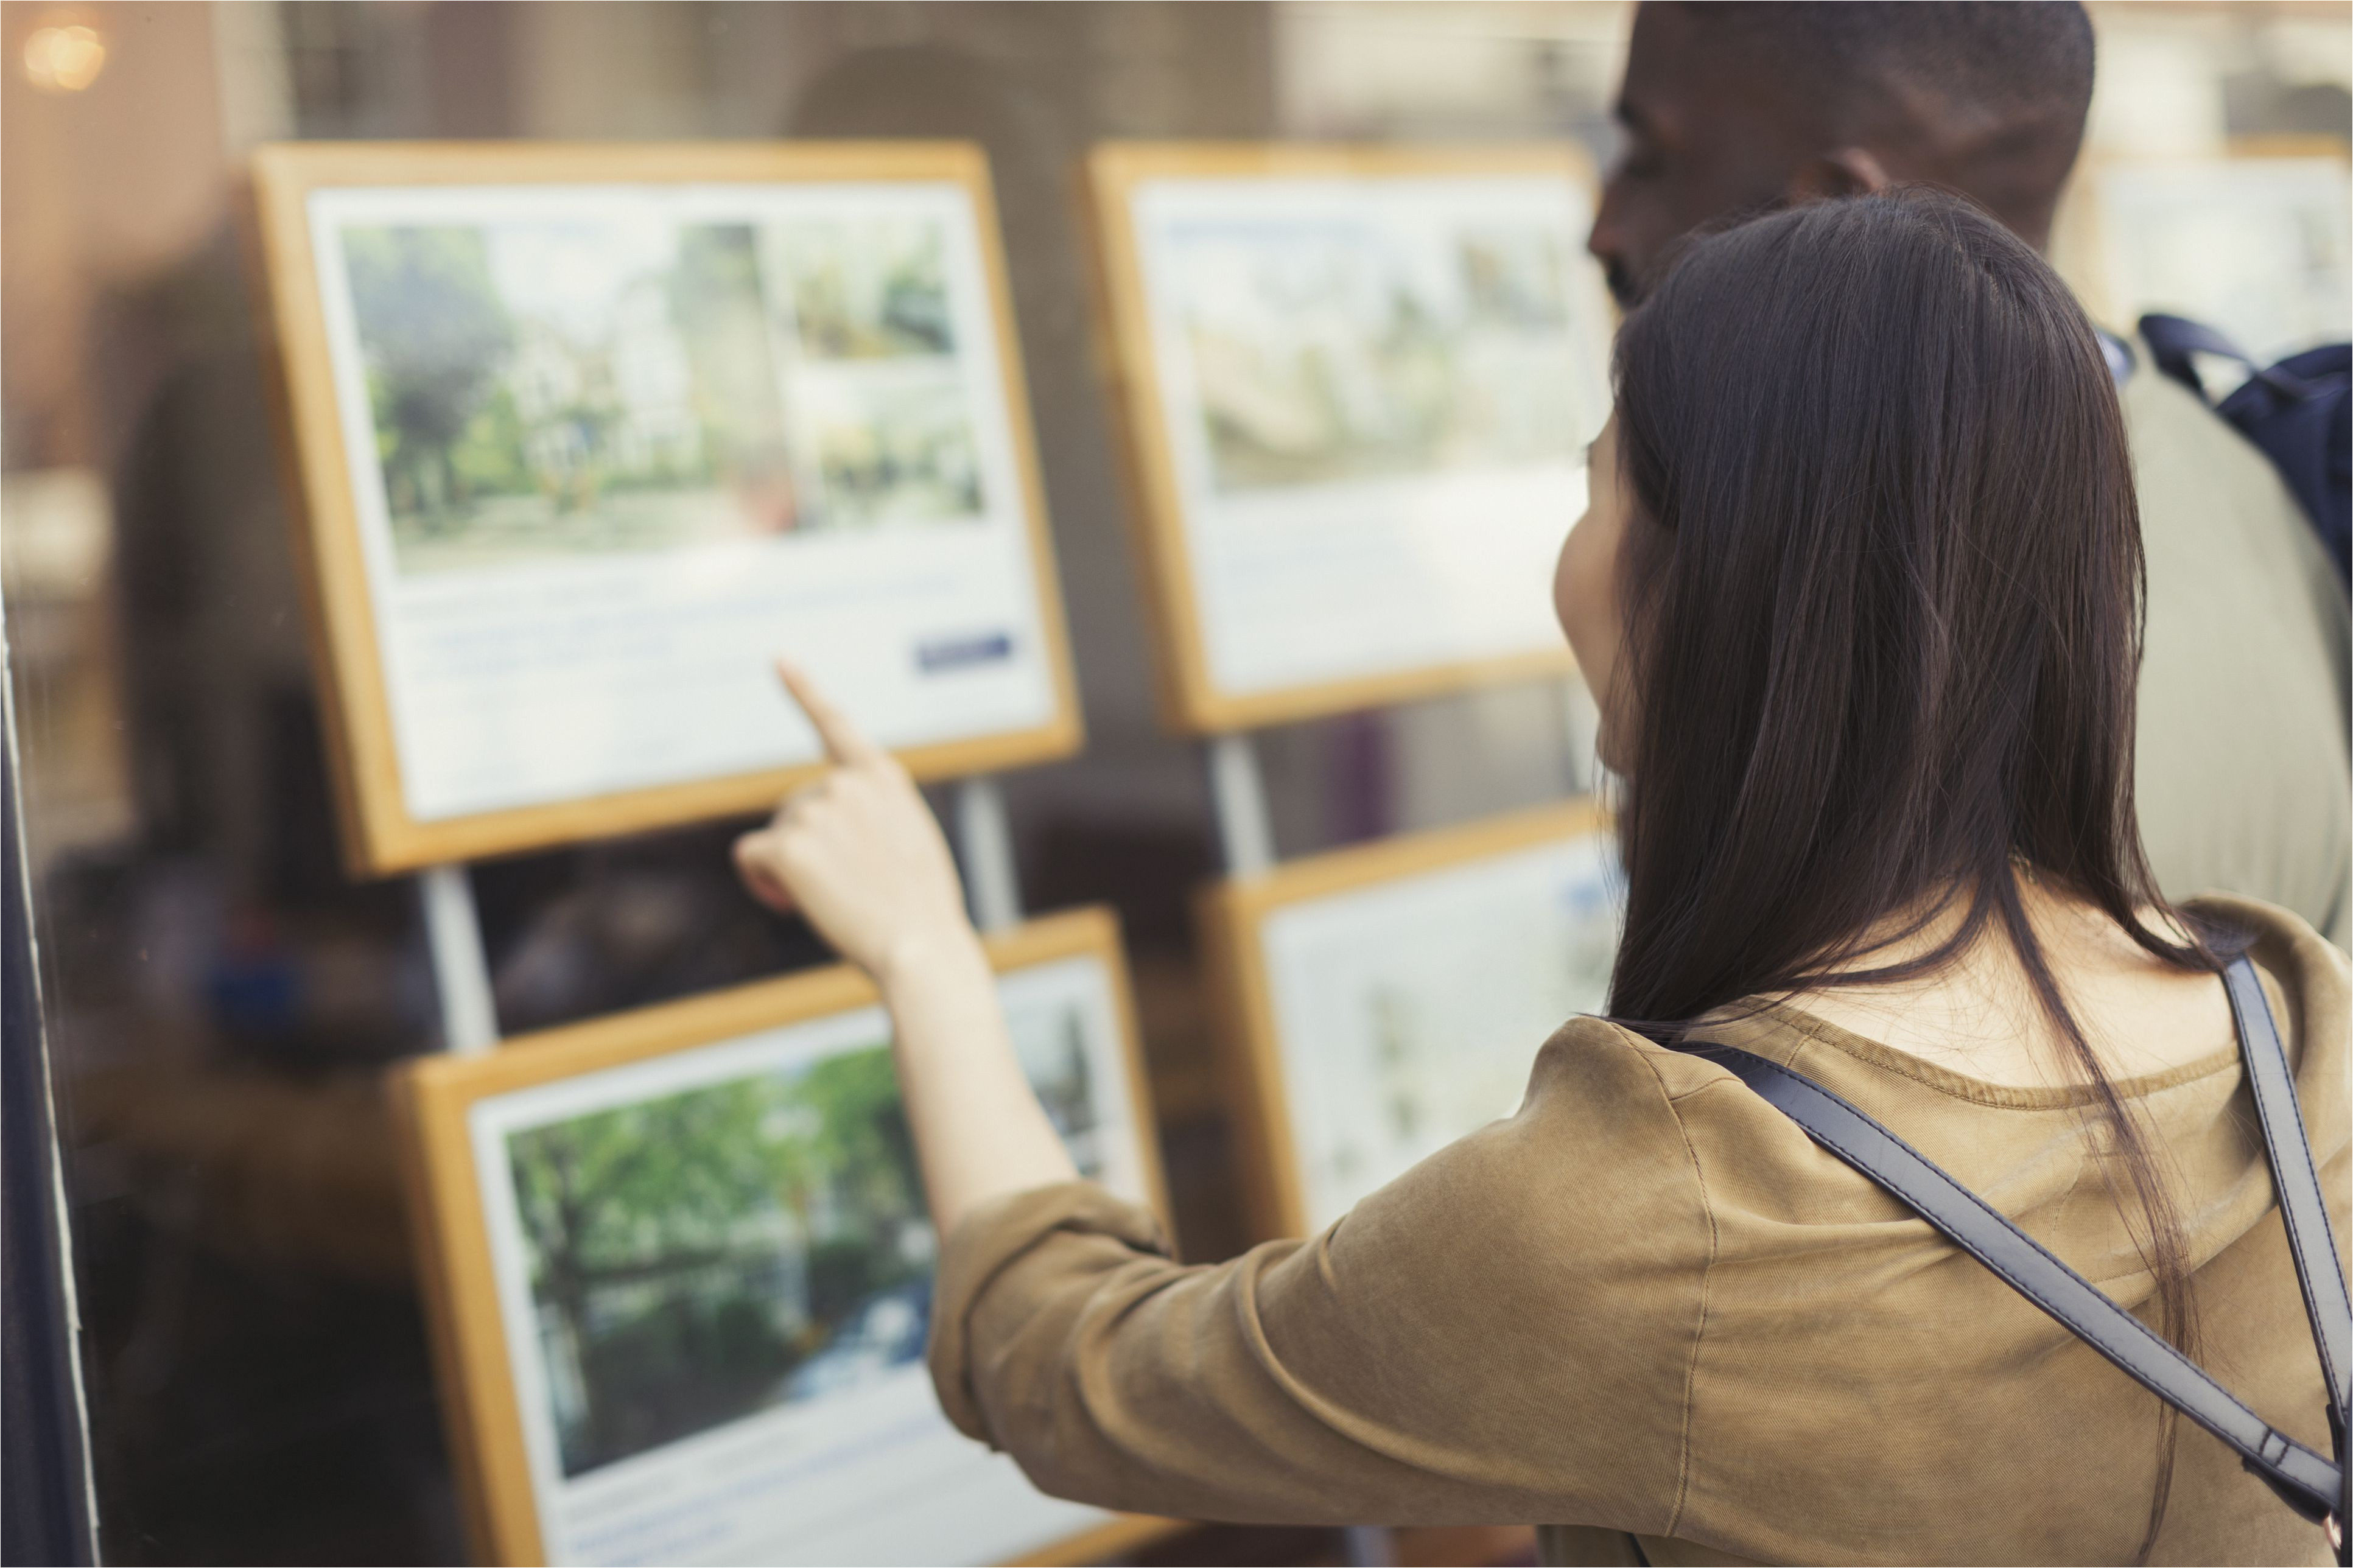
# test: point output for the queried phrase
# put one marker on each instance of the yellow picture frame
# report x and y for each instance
(379, 834)
(432, 1099)
(1233, 916)
(1190, 701)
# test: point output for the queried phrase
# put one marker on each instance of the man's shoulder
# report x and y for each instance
(2245, 636)
(2207, 491)
(2154, 403)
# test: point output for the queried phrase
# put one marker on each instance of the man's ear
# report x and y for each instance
(1849, 172)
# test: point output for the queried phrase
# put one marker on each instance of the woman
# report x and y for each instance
(1858, 590)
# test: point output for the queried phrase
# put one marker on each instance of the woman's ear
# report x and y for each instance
(1849, 172)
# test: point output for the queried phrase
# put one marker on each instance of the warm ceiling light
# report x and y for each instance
(64, 59)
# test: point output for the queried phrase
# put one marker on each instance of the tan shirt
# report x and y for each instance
(1647, 1304)
(2241, 780)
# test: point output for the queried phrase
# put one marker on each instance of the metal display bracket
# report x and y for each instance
(984, 843)
(461, 966)
(1238, 800)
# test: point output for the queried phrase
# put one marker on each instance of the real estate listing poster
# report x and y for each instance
(589, 436)
(685, 1273)
(1359, 386)
(1385, 1001)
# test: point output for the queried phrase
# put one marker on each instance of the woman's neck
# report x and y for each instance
(1977, 1013)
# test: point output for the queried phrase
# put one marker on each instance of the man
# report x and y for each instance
(2242, 778)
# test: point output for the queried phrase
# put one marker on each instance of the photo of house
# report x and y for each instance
(558, 386)
(1329, 349)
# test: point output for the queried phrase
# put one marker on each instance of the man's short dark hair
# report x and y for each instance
(1864, 64)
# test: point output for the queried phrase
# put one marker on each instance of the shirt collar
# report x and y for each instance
(2119, 354)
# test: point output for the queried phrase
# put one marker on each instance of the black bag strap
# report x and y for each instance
(2173, 340)
(2315, 1486)
(2303, 1210)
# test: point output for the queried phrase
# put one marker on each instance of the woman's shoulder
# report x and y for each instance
(1594, 1066)
(2307, 967)
(2309, 982)
(1610, 1082)
(1628, 1161)
(1601, 1093)
(1592, 1181)
(1593, 1053)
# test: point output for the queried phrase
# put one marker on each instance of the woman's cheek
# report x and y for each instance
(1585, 593)
(1583, 597)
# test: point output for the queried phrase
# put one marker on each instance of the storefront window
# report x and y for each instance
(222, 998)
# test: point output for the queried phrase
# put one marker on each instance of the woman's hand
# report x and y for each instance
(858, 852)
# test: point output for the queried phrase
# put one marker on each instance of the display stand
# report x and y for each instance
(1237, 798)
(1302, 562)
(365, 580)
(945, 624)
(927, 596)
(461, 967)
(983, 841)
(775, 1089)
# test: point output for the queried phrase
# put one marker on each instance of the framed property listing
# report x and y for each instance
(679, 1273)
(587, 434)
(2260, 245)
(1380, 1002)
(1357, 386)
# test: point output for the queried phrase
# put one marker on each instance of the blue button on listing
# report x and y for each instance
(959, 653)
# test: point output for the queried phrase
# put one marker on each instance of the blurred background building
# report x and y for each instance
(220, 998)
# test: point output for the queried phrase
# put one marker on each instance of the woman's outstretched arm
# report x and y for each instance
(860, 854)
(1500, 1335)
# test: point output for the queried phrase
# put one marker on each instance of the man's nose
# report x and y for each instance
(1609, 244)
(1604, 241)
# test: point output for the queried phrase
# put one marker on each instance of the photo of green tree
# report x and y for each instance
(699, 1257)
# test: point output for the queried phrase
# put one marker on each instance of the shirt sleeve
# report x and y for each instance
(1507, 1333)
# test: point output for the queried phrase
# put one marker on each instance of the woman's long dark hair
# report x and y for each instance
(1883, 586)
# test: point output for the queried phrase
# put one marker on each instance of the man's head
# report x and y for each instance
(1733, 107)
